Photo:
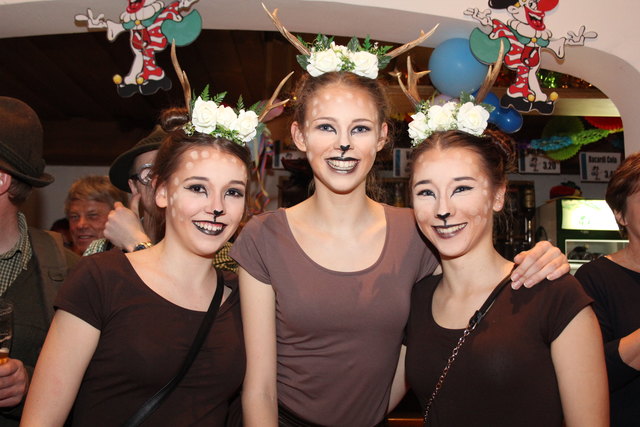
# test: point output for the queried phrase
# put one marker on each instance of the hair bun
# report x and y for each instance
(174, 118)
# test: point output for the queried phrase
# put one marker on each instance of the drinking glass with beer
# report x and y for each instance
(6, 329)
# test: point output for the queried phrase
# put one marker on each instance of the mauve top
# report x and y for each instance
(338, 333)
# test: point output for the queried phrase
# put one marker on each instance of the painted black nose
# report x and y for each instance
(443, 216)
(345, 148)
(217, 213)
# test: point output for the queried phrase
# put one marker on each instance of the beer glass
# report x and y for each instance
(6, 329)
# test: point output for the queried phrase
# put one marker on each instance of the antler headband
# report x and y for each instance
(210, 117)
(323, 55)
(468, 115)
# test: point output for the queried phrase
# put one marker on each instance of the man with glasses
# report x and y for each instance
(133, 228)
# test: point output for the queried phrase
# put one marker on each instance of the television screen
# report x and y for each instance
(580, 214)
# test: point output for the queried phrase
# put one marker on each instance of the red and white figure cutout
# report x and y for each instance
(524, 35)
(151, 26)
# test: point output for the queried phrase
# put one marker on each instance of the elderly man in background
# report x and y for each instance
(88, 203)
(33, 263)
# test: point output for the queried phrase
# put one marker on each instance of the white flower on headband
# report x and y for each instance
(247, 124)
(324, 61)
(472, 118)
(466, 116)
(205, 116)
(441, 117)
(365, 64)
(418, 129)
(208, 116)
(362, 59)
(226, 117)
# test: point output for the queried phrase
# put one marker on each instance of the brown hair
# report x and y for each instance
(494, 148)
(177, 142)
(307, 87)
(96, 188)
(624, 181)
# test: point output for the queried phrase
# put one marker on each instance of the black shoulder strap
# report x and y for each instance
(154, 402)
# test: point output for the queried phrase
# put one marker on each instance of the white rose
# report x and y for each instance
(339, 49)
(204, 116)
(366, 64)
(322, 62)
(246, 125)
(472, 118)
(226, 117)
(418, 130)
(441, 117)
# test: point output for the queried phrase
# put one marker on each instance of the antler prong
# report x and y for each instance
(182, 76)
(270, 105)
(492, 75)
(411, 90)
(405, 47)
(292, 39)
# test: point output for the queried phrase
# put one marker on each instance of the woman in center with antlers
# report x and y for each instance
(125, 323)
(325, 285)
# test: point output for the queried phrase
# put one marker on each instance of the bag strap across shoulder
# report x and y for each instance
(154, 402)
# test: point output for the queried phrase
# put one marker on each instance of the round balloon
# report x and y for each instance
(509, 120)
(454, 69)
(493, 100)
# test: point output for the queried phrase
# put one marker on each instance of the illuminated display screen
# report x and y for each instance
(587, 215)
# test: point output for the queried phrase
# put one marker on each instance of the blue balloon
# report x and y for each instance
(454, 69)
(492, 99)
(509, 120)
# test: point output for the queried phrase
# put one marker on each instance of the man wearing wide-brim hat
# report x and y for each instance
(33, 263)
(133, 228)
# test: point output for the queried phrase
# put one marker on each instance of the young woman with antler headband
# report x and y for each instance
(478, 353)
(126, 323)
(325, 285)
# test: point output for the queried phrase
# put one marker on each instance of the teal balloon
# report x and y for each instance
(454, 69)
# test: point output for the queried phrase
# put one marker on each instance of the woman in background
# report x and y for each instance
(613, 281)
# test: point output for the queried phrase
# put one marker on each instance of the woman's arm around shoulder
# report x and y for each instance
(259, 395)
(66, 353)
(543, 261)
(578, 359)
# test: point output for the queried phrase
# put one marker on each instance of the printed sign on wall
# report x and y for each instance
(534, 163)
(598, 167)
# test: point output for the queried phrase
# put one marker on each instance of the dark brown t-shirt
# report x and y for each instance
(503, 374)
(338, 334)
(143, 341)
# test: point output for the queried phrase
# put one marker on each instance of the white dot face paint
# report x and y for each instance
(205, 179)
(453, 181)
(341, 115)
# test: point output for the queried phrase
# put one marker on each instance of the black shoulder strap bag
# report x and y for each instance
(473, 322)
(154, 402)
